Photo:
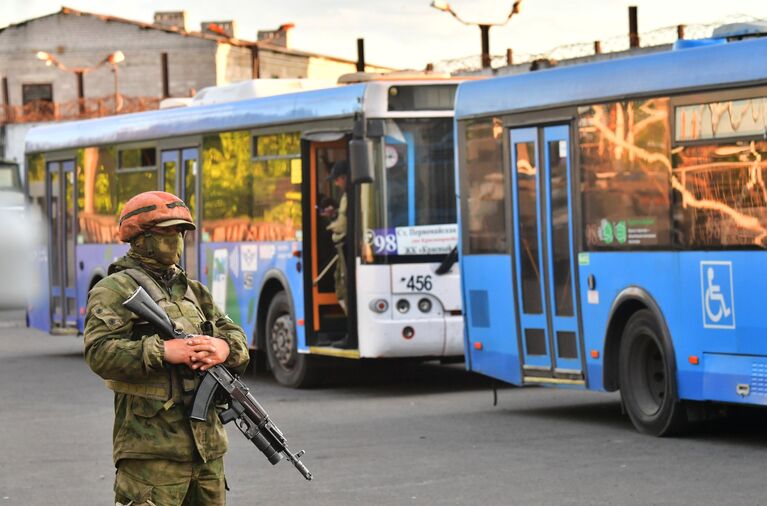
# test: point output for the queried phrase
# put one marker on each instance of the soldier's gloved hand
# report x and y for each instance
(207, 351)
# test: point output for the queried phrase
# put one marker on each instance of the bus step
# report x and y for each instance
(333, 322)
(332, 339)
(538, 380)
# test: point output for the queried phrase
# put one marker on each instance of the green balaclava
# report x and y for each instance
(157, 250)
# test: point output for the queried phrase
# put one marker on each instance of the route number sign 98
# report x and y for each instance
(384, 244)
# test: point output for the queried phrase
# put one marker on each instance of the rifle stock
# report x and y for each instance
(143, 305)
(249, 416)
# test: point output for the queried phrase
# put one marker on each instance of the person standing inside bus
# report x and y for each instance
(337, 227)
(162, 457)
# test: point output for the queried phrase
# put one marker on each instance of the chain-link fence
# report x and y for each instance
(661, 36)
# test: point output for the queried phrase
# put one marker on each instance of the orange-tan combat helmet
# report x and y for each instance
(153, 209)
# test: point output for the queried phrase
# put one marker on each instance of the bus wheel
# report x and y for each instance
(647, 382)
(289, 367)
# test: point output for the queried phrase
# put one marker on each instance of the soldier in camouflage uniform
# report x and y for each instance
(162, 457)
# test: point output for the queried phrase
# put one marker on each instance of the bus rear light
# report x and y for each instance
(300, 323)
(594, 353)
(424, 305)
(379, 305)
(478, 346)
(82, 311)
(403, 306)
(408, 332)
(694, 360)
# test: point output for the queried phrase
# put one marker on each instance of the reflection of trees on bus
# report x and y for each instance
(251, 191)
(103, 188)
(619, 183)
(629, 171)
(733, 118)
(731, 175)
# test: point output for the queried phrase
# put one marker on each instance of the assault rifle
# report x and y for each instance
(244, 409)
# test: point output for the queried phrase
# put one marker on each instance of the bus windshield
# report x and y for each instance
(410, 209)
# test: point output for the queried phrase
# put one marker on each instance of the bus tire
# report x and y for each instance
(290, 368)
(647, 380)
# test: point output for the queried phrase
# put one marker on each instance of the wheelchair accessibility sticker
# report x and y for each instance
(717, 294)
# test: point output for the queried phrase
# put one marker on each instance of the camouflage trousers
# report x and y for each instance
(340, 276)
(168, 483)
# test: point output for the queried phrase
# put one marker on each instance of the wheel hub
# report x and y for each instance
(650, 376)
(283, 341)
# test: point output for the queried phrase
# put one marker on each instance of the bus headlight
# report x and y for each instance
(403, 306)
(379, 305)
(424, 305)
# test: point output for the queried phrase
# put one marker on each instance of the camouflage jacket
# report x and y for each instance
(150, 417)
(338, 226)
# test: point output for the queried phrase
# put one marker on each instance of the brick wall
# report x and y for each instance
(234, 64)
(86, 40)
(273, 64)
(193, 62)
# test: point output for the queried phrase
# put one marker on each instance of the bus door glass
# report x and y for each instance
(559, 240)
(179, 176)
(543, 251)
(327, 315)
(62, 230)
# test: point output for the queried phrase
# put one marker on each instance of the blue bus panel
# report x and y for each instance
(491, 346)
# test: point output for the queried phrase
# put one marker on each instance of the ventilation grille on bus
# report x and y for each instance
(759, 378)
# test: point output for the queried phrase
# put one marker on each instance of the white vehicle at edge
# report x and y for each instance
(19, 238)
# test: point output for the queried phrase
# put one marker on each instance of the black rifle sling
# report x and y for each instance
(154, 289)
(145, 281)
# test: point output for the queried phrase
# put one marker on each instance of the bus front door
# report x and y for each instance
(543, 246)
(328, 323)
(61, 255)
(179, 176)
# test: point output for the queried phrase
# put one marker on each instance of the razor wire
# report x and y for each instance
(657, 37)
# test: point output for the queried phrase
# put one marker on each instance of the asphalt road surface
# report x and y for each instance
(382, 434)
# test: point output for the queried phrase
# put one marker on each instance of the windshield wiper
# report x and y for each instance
(447, 262)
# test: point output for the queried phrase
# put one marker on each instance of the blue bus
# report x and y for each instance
(255, 173)
(613, 221)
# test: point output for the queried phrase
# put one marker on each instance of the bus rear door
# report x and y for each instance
(543, 249)
(62, 258)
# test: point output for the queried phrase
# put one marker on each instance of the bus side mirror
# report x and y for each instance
(361, 160)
